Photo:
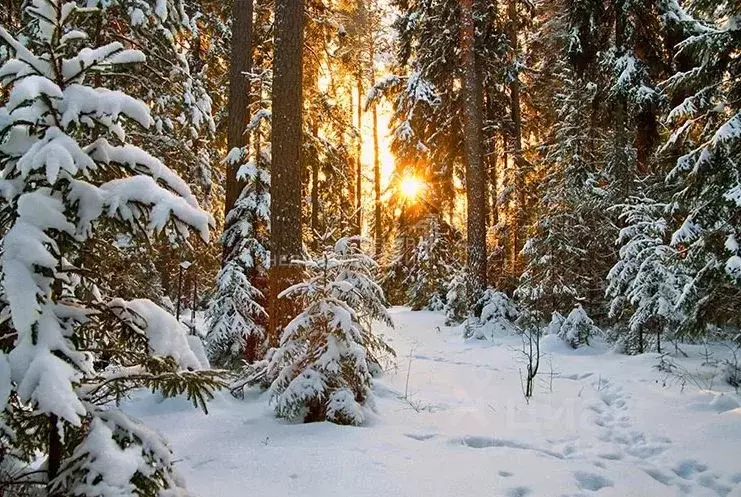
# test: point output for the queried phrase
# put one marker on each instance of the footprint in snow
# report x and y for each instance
(421, 437)
(686, 469)
(659, 476)
(610, 456)
(591, 481)
(477, 442)
(576, 376)
(518, 492)
(711, 482)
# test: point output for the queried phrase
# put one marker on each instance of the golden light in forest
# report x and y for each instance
(411, 188)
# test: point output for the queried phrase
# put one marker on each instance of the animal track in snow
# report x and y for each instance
(591, 481)
(477, 442)
(420, 437)
(611, 415)
(518, 492)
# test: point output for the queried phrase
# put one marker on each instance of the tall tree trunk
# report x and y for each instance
(473, 143)
(358, 160)
(311, 82)
(352, 171)
(490, 163)
(518, 163)
(377, 218)
(239, 93)
(315, 195)
(285, 211)
(621, 167)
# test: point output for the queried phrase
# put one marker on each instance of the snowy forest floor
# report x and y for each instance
(600, 424)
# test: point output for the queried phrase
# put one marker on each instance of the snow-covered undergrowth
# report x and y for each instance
(599, 423)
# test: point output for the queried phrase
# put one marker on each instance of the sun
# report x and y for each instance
(411, 188)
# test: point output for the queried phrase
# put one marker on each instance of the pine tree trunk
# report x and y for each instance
(351, 186)
(473, 143)
(359, 163)
(311, 82)
(515, 146)
(621, 167)
(285, 211)
(377, 218)
(314, 197)
(239, 93)
(491, 166)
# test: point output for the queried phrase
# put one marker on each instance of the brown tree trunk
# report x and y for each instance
(491, 164)
(359, 162)
(516, 145)
(473, 143)
(239, 89)
(352, 171)
(377, 218)
(315, 196)
(285, 211)
(621, 167)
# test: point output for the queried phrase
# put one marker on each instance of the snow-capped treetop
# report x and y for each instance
(497, 306)
(578, 328)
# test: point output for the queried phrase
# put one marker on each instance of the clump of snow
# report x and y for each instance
(165, 335)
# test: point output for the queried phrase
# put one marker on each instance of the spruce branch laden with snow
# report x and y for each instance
(73, 350)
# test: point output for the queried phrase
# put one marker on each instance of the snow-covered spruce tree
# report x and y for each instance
(431, 264)
(635, 64)
(321, 368)
(554, 326)
(70, 350)
(706, 138)
(173, 82)
(498, 316)
(577, 328)
(457, 304)
(237, 313)
(173, 79)
(646, 283)
(569, 249)
(365, 296)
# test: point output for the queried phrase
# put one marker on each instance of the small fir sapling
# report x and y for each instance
(578, 328)
(321, 367)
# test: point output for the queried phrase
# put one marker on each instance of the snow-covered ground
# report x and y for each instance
(599, 424)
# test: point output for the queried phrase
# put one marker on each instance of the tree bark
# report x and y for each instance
(285, 212)
(239, 93)
(377, 218)
(518, 204)
(621, 169)
(473, 143)
(315, 196)
(490, 163)
(359, 162)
